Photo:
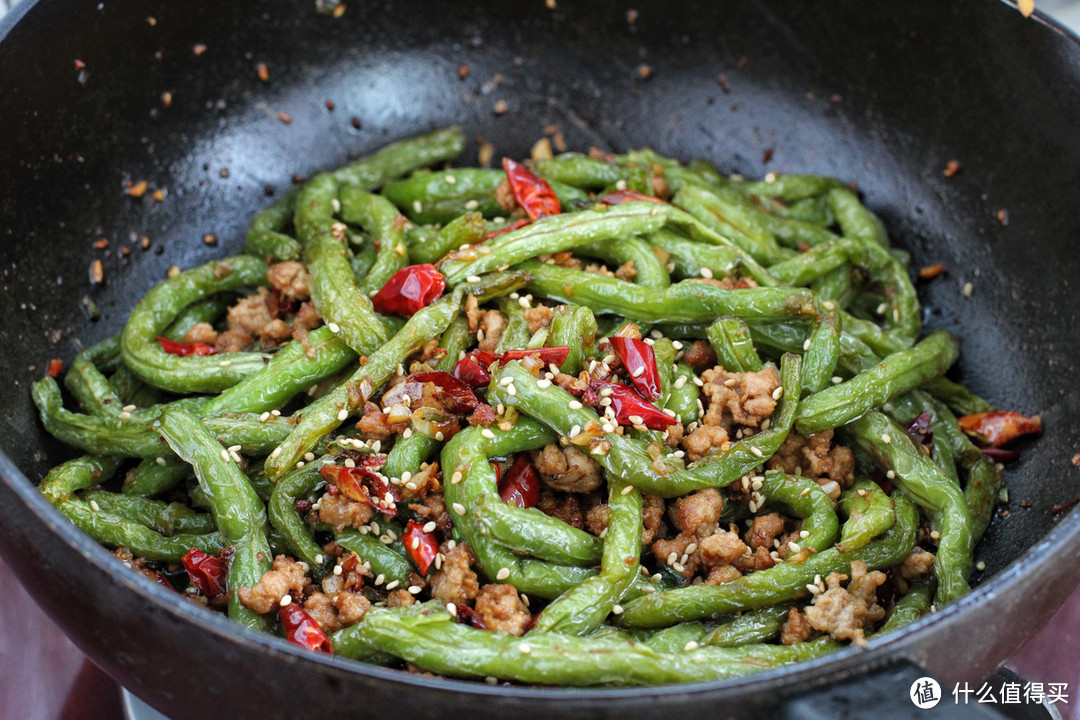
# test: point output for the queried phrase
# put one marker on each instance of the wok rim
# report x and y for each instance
(883, 651)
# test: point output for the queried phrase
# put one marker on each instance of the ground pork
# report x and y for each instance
(673, 436)
(307, 318)
(723, 547)
(795, 629)
(740, 398)
(704, 441)
(234, 341)
(433, 507)
(722, 574)
(400, 598)
(504, 195)
(340, 512)
(695, 516)
(491, 328)
(373, 424)
(567, 468)
(764, 530)
(418, 485)
(251, 313)
(499, 607)
(455, 582)
(201, 333)
(575, 385)
(596, 518)
(290, 278)
(285, 576)
(917, 565)
(563, 506)
(538, 317)
(700, 356)
(843, 613)
(759, 559)
(815, 457)
(598, 269)
(275, 332)
(626, 271)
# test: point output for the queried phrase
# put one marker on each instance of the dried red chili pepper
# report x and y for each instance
(472, 372)
(999, 427)
(421, 546)
(410, 289)
(183, 349)
(624, 196)
(922, 432)
(301, 629)
(639, 359)
(516, 225)
(208, 573)
(532, 192)
(454, 394)
(628, 404)
(521, 485)
(363, 485)
(548, 355)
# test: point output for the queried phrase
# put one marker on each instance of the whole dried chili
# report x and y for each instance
(532, 192)
(521, 485)
(624, 196)
(210, 574)
(999, 427)
(301, 629)
(421, 546)
(409, 290)
(629, 407)
(363, 485)
(639, 359)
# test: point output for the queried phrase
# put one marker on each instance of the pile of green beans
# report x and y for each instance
(223, 452)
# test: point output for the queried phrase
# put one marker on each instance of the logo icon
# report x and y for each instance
(925, 693)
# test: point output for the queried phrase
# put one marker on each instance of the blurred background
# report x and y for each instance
(44, 677)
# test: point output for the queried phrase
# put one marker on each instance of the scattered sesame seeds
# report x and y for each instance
(886, 438)
(225, 363)
(418, 206)
(542, 383)
(125, 415)
(486, 432)
(706, 273)
(334, 327)
(458, 508)
(691, 646)
(380, 579)
(574, 405)
(343, 415)
(627, 490)
(980, 566)
(276, 452)
(756, 451)
(338, 570)
(502, 574)
(392, 584)
(968, 289)
(415, 589)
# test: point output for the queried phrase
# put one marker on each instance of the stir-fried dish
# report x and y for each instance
(583, 420)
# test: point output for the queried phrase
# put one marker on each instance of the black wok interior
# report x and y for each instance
(881, 94)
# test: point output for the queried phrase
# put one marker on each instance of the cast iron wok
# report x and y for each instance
(883, 94)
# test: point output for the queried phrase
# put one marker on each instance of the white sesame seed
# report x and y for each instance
(417, 206)
(891, 474)
(380, 579)
(680, 381)
(980, 566)
(627, 490)
(407, 434)
(777, 393)
(886, 438)
(574, 405)
(392, 584)
(472, 205)
(455, 478)
(543, 384)
(491, 680)
(430, 526)
(486, 432)
(511, 390)
(794, 547)
(968, 289)
(458, 508)
(756, 451)
(706, 273)
(94, 506)
(343, 415)
(691, 646)
(276, 452)
(473, 278)
(415, 589)
(286, 600)
(635, 419)
(338, 570)
(124, 416)
(334, 327)
(639, 372)
(502, 574)
(440, 436)
(225, 455)
(161, 461)
(524, 648)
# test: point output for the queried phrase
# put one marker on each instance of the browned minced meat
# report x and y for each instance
(571, 384)
(483, 415)
(742, 398)
(307, 318)
(499, 607)
(431, 351)
(695, 516)
(626, 271)
(917, 564)
(567, 468)
(722, 574)
(455, 581)
(504, 195)
(596, 518)
(291, 279)
(473, 313)
(400, 598)
(704, 441)
(598, 269)
(843, 613)
(285, 576)
(138, 564)
(201, 333)
(538, 317)
(341, 512)
(759, 559)
(563, 506)
(795, 629)
(492, 325)
(275, 332)
(815, 457)
(564, 259)
(764, 530)
(433, 507)
(673, 436)
(700, 356)
(374, 426)
(233, 341)
(335, 610)
(251, 313)
(723, 547)
(321, 609)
